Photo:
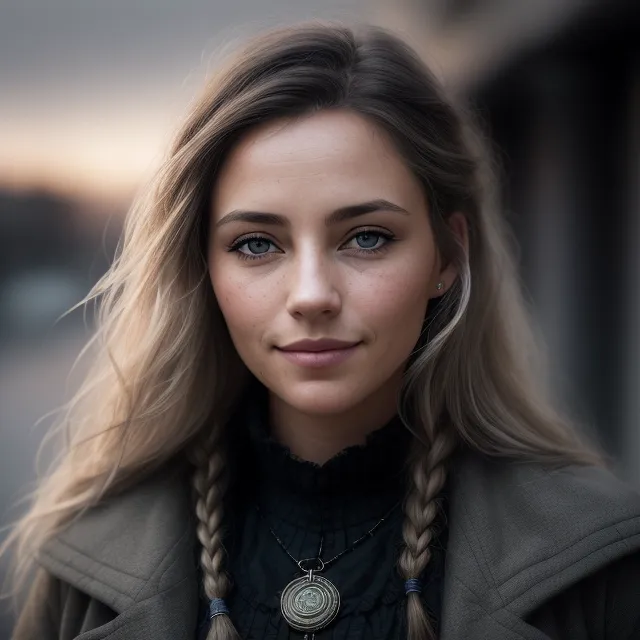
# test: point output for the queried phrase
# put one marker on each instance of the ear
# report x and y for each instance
(458, 225)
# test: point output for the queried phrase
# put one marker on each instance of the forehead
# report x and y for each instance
(326, 159)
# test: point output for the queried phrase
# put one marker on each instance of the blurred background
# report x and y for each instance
(91, 94)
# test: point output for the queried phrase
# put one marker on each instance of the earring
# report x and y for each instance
(440, 286)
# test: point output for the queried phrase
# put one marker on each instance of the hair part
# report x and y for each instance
(164, 354)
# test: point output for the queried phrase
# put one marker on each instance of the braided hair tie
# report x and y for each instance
(413, 586)
(217, 607)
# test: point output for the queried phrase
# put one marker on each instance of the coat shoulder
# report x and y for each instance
(131, 546)
(525, 535)
(127, 567)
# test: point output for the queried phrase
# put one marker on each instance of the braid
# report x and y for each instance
(421, 508)
(210, 483)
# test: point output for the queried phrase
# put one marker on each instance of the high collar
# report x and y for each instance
(356, 486)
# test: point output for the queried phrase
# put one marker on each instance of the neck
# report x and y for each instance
(319, 437)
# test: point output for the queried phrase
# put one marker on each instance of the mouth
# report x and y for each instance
(316, 346)
(318, 353)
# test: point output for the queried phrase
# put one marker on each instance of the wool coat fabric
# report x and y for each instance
(532, 554)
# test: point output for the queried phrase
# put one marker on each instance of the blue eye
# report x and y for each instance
(367, 240)
(257, 245)
(253, 248)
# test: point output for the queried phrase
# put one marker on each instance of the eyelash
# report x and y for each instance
(235, 247)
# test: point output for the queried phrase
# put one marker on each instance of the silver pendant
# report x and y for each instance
(310, 603)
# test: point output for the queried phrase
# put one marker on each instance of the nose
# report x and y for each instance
(313, 290)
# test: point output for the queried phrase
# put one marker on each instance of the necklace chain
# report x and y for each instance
(324, 565)
(312, 602)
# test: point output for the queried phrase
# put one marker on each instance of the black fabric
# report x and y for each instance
(338, 501)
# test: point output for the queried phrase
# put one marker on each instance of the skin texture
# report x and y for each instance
(316, 278)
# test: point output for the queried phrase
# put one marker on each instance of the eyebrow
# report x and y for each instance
(339, 215)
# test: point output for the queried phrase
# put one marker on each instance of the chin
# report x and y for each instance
(321, 397)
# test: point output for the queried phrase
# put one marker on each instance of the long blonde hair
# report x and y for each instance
(165, 376)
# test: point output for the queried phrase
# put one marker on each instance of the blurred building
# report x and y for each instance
(51, 253)
(557, 84)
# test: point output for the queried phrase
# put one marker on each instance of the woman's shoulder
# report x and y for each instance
(522, 533)
(522, 487)
(117, 550)
(114, 565)
(529, 510)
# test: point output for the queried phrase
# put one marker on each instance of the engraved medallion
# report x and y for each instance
(310, 603)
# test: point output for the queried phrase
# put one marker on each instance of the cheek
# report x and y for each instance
(394, 314)
(396, 300)
(223, 291)
(240, 305)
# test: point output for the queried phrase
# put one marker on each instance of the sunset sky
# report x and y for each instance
(92, 91)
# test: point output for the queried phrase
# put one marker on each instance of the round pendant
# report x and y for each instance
(310, 604)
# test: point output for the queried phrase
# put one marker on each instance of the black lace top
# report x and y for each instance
(338, 501)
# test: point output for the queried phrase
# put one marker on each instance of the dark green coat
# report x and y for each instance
(532, 554)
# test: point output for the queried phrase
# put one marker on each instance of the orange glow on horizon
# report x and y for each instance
(89, 149)
(87, 161)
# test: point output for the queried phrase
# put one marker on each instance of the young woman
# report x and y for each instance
(314, 411)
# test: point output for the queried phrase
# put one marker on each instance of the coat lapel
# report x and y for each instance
(135, 553)
(520, 534)
(166, 616)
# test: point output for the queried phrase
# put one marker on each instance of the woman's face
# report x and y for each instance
(320, 233)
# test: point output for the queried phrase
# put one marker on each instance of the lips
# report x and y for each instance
(315, 346)
(325, 353)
